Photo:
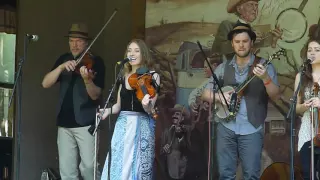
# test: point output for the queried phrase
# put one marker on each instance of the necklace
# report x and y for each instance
(241, 69)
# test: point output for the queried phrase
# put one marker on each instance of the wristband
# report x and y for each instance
(268, 82)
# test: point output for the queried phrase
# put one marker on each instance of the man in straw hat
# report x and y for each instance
(244, 134)
(80, 95)
(247, 12)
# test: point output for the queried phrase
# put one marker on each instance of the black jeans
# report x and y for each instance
(305, 156)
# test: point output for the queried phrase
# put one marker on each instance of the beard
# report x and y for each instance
(243, 54)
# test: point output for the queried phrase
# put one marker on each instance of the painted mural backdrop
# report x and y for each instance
(172, 29)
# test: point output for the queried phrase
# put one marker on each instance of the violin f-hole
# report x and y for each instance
(142, 86)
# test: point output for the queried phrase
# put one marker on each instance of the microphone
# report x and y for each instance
(304, 65)
(124, 61)
(32, 37)
(308, 61)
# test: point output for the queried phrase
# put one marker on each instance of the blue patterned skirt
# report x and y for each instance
(132, 148)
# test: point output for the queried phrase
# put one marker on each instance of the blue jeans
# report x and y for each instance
(249, 149)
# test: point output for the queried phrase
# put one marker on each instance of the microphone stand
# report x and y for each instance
(292, 115)
(18, 85)
(215, 83)
(93, 129)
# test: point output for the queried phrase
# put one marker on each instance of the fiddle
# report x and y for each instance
(142, 82)
(86, 59)
(315, 136)
(316, 124)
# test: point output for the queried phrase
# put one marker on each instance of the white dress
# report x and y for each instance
(305, 128)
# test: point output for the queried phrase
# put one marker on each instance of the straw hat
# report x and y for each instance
(241, 27)
(180, 108)
(78, 30)
(232, 5)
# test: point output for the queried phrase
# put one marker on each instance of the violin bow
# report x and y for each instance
(105, 25)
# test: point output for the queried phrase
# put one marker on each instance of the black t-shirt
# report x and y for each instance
(66, 117)
(129, 100)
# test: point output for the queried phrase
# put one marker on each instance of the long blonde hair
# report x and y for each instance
(146, 57)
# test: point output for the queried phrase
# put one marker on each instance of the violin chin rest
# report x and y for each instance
(142, 70)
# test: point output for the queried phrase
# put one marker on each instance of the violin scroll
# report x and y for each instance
(316, 88)
(154, 113)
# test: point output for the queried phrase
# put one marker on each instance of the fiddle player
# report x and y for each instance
(244, 134)
(305, 100)
(80, 95)
(133, 140)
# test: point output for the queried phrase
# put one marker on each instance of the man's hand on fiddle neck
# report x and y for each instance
(87, 75)
(93, 91)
